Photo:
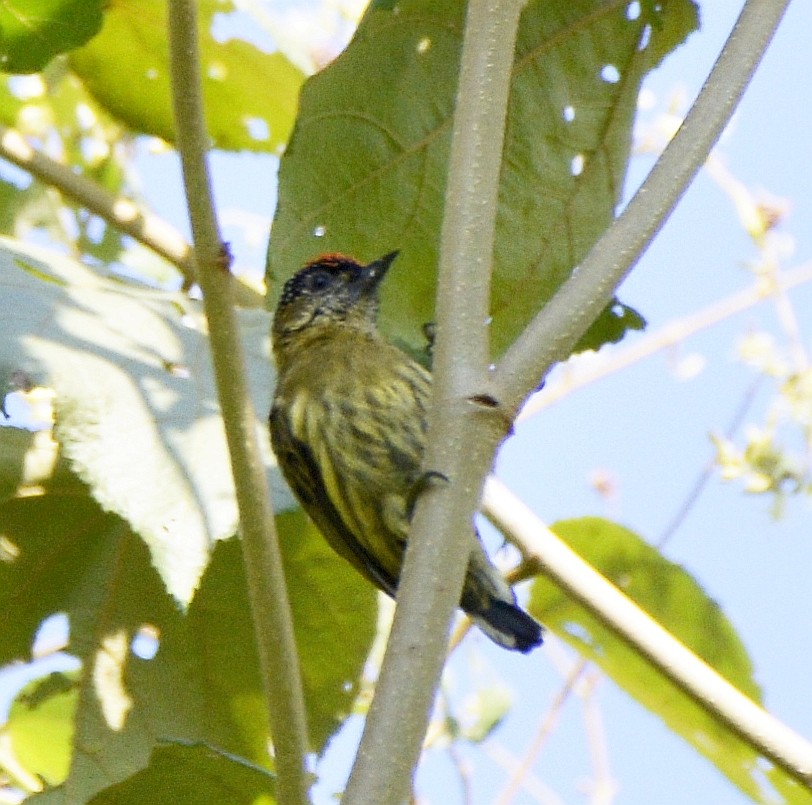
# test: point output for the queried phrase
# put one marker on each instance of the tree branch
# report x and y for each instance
(714, 694)
(669, 335)
(543, 731)
(551, 336)
(263, 563)
(123, 213)
(461, 442)
(141, 225)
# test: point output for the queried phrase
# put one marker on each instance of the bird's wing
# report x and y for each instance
(302, 472)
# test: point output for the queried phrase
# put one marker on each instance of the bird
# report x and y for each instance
(348, 427)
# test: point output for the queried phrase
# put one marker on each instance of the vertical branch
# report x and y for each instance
(263, 563)
(460, 442)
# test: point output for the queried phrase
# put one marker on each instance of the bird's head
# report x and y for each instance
(331, 291)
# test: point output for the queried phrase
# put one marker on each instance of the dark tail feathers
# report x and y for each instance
(508, 626)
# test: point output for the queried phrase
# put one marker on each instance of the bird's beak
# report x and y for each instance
(376, 270)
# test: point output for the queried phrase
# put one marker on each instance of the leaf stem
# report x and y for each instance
(461, 441)
(555, 330)
(263, 563)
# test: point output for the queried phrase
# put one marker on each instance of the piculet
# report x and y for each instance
(348, 427)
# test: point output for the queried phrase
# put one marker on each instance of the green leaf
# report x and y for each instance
(335, 619)
(673, 598)
(334, 614)
(365, 172)
(250, 96)
(71, 557)
(63, 554)
(137, 413)
(193, 775)
(49, 563)
(610, 326)
(34, 31)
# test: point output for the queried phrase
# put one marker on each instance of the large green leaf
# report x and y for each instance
(69, 556)
(135, 409)
(137, 414)
(677, 602)
(334, 615)
(34, 31)
(63, 554)
(250, 96)
(365, 170)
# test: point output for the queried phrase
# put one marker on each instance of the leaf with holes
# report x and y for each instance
(71, 557)
(365, 172)
(200, 680)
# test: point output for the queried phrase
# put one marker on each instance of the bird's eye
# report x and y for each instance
(318, 281)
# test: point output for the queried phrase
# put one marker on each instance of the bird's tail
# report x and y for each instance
(509, 626)
(491, 604)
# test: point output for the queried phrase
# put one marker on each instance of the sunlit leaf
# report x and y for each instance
(72, 557)
(149, 671)
(40, 726)
(137, 414)
(250, 96)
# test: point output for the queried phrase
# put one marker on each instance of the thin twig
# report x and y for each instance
(583, 374)
(124, 214)
(546, 726)
(786, 314)
(759, 221)
(265, 576)
(707, 472)
(714, 694)
(535, 788)
(554, 332)
(603, 788)
(463, 768)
